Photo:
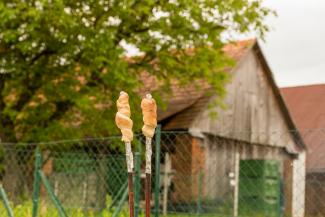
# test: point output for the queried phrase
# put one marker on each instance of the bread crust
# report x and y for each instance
(122, 118)
(149, 112)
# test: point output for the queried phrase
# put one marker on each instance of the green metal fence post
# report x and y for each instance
(199, 198)
(5, 200)
(157, 169)
(37, 181)
(52, 195)
(137, 183)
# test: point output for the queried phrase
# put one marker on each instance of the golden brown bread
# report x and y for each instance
(122, 118)
(122, 121)
(149, 112)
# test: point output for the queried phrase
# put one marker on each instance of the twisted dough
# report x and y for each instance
(149, 112)
(122, 118)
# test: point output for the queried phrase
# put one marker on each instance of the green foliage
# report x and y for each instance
(62, 64)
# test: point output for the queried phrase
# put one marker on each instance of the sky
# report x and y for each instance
(295, 47)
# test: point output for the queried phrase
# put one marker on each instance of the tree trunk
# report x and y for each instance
(14, 175)
(10, 170)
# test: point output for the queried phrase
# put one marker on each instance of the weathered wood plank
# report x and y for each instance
(253, 113)
(220, 161)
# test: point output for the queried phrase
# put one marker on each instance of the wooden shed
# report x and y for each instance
(254, 125)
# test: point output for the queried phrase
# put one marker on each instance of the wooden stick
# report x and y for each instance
(148, 194)
(129, 162)
(125, 124)
(131, 194)
(149, 111)
(148, 176)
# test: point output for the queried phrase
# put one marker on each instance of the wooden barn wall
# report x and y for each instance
(220, 162)
(181, 158)
(214, 159)
(252, 112)
(188, 163)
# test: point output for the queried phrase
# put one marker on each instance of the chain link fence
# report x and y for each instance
(194, 175)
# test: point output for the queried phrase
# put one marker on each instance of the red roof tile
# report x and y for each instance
(307, 108)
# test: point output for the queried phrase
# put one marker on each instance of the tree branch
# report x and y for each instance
(32, 85)
(61, 108)
(27, 95)
(41, 54)
(2, 86)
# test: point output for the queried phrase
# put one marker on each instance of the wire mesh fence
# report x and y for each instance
(202, 175)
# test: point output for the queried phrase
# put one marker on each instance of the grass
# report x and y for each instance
(25, 210)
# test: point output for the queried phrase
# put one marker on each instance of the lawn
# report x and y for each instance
(25, 210)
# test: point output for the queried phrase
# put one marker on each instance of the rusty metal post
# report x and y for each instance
(131, 194)
(137, 181)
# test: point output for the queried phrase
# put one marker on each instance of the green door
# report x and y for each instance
(259, 188)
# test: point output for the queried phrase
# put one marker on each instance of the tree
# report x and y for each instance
(62, 63)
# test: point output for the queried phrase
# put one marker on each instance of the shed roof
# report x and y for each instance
(307, 107)
(187, 102)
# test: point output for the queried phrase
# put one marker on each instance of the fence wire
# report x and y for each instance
(201, 175)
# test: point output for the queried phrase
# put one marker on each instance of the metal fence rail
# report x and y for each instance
(201, 175)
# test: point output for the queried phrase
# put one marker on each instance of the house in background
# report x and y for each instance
(307, 107)
(255, 125)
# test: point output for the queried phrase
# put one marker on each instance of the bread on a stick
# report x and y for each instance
(149, 112)
(122, 118)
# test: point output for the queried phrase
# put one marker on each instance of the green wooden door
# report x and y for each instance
(259, 188)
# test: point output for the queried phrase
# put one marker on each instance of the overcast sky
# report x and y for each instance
(295, 48)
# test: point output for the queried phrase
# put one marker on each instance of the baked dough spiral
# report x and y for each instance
(149, 112)
(122, 118)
